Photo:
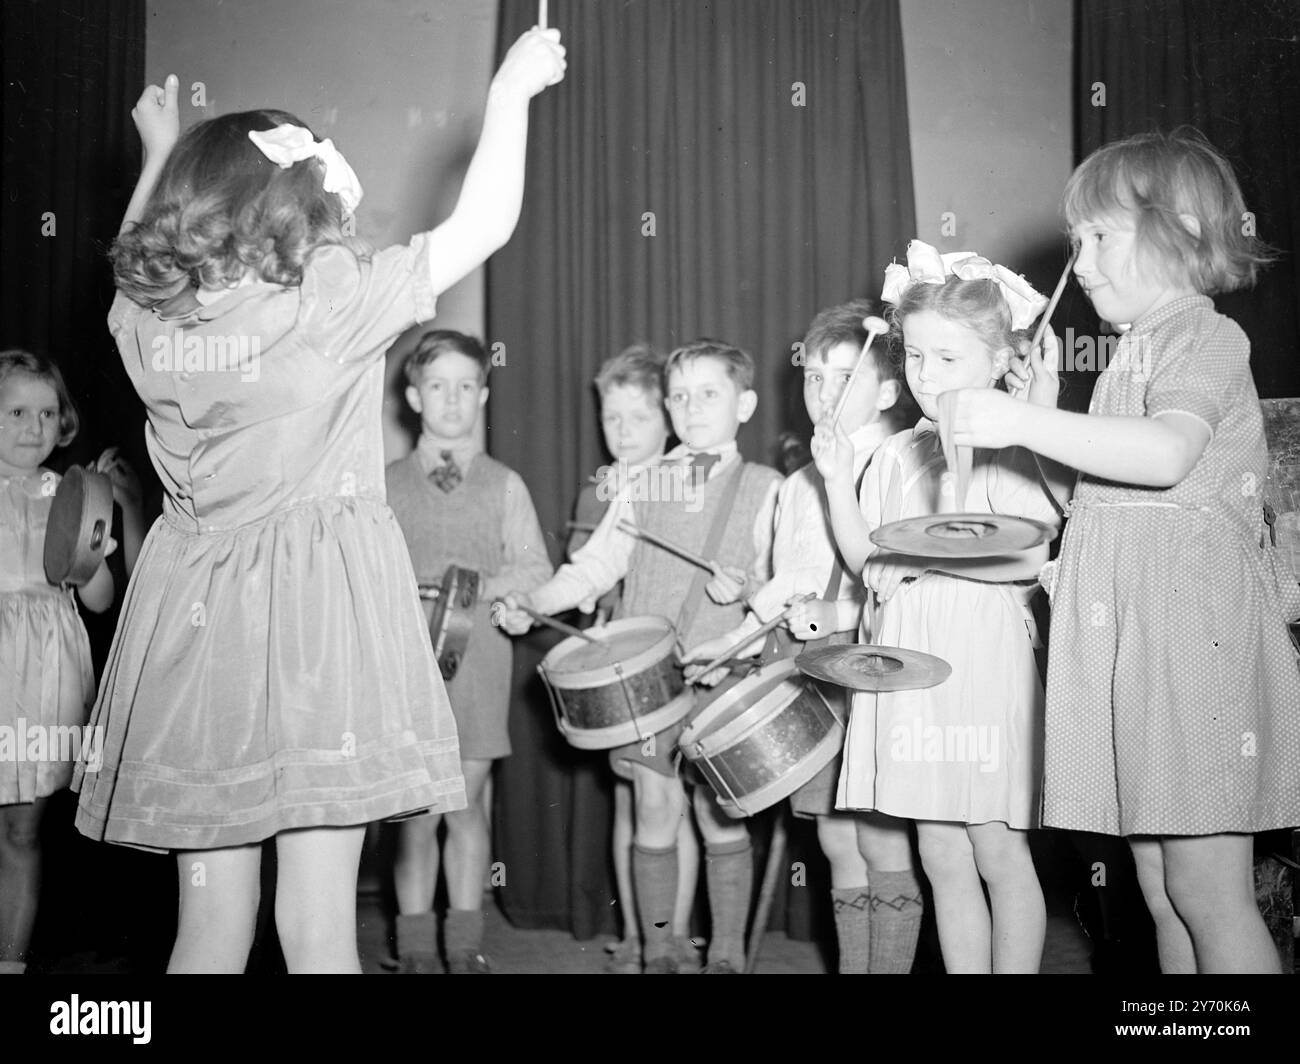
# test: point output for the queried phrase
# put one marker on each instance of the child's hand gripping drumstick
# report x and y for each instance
(875, 327)
(709, 675)
(512, 604)
(727, 585)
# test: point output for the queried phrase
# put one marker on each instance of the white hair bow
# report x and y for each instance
(287, 144)
(926, 266)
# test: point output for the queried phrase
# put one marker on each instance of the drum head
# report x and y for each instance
(865, 667)
(969, 535)
(81, 520)
(620, 643)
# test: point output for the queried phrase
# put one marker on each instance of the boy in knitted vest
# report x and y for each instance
(874, 891)
(708, 387)
(457, 506)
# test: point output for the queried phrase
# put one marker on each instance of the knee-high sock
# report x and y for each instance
(896, 908)
(731, 882)
(463, 931)
(654, 878)
(853, 928)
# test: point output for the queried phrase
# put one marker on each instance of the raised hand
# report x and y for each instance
(1035, 375)
(534, 62)
(813, 619)
(727, 585)
(832, 451)
(507, 615)
(984, 417)
(126, 485)
(157, 117)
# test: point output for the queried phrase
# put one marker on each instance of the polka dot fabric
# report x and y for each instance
(1173, 692)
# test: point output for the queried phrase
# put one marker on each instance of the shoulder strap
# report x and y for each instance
(691, 604)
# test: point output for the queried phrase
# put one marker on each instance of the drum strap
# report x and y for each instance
(691, 604)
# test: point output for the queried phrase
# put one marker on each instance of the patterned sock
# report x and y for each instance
(654, 878)
(853, 928)
(896, 908)
(462, 931)
(730, 871)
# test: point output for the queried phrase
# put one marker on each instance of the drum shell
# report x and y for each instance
(625, 701)
(763, 739)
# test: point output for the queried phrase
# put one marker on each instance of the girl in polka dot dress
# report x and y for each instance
(1173, 696)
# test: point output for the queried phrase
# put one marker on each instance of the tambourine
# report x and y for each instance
(78, 529)
(451, 619)
(865, 667)
(965, 535)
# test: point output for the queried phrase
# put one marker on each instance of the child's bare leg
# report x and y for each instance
(1210, 880)
(622, 843)
(659, 805)
(1018, 913)
(1173, 940)
(20, 876)
(961, 914)
(896, 903)
(837, 835)
(415, 866)
(316, 898)
(465, 862)
(729, 868)
(219, 892)
(688, 875)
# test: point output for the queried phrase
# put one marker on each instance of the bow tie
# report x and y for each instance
(447, 475)
(703, 461)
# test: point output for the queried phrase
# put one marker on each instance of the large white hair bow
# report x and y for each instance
(287, 144)
(926, 266)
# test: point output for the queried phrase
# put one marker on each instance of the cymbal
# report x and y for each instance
(867, 667)
(966, 535)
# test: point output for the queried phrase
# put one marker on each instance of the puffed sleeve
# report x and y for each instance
(352, 308)
(1199, 370)
(123, 314)
(1014, 487)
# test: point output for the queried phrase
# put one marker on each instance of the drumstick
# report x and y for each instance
(773, 623)
(579, 526)
(875, 327)
(541, 14)
(559, 626)
(959, 459)
(1041, 331)
(668, 545)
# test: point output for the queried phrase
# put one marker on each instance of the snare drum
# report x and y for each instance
(618, 691)
(764, 738)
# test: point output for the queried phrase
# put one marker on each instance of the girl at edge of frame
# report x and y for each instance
(212, 748)
(1172, 683)
(44, 650)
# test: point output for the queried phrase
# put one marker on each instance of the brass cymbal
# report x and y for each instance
(966, 535)
(867, 667)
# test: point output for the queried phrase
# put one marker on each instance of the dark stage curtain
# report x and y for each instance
(73, 70)
(764, 144)
(1233, 71)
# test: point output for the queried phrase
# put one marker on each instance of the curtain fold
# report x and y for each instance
(1233, 71)
(708, 167)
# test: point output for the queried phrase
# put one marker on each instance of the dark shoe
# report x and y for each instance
(662, 966)
(419, 964)
(467, 963)
(624, 957)
(719, 968)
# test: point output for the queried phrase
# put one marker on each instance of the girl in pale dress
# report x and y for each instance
(46, 680)
(1173, 695)
(963, 758)
(272, 675)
